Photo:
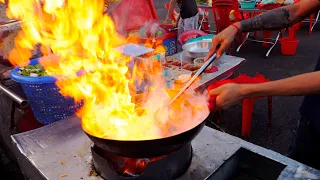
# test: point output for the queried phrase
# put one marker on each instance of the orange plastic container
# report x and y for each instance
(289, 46)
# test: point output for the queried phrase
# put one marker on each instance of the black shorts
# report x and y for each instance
(305, 145)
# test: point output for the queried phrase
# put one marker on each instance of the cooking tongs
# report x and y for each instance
(194, 77)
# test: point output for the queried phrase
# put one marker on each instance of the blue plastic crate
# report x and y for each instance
(44, 97)
(171, 46)
(248, 4)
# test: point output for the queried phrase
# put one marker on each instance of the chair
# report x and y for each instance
(221, 12)
(247, 104)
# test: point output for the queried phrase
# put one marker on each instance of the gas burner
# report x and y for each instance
(113, 167)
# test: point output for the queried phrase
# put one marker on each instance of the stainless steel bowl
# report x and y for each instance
(197, 49)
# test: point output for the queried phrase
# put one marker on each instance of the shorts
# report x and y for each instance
(188, 24)
(305, 145)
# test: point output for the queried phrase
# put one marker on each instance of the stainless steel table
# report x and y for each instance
(62, 151)
(62, 148)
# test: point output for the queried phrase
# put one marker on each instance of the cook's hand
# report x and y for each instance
(227, 95)
(224, 39)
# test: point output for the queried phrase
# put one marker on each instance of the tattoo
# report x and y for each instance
(272, 20)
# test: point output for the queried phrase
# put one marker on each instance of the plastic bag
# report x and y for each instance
(151, 29)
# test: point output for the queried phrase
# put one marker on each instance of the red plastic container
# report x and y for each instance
(289, 46)
(185, 36)
(268, 6)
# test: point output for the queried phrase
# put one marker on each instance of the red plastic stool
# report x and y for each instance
(247, 104)
(311, 17)
(28, 122)
(221, 10)
(247, 111)
(185, 36)
(311, 23)
(266, 35)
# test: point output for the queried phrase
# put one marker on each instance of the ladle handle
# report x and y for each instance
(194, 77)
(22, 102)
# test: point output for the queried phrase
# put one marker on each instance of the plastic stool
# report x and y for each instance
(28, 122)
(247, 104)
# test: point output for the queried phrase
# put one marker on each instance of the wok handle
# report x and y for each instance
(23, 103)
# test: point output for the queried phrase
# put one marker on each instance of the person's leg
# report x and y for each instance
(191, 23)
(180, 27)
(180, 31)
(305, 146)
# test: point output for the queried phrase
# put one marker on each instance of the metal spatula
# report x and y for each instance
(194, 77)
(159, 113)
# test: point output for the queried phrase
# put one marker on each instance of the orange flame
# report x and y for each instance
(83, 39)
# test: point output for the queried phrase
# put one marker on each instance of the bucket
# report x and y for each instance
(289, 46)
(248, 4)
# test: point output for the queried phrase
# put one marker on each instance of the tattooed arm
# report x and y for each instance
(271, 20)
(281, 17)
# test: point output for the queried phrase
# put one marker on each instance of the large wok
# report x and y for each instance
(148, 148)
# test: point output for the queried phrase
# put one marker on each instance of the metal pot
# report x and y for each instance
(197, 49)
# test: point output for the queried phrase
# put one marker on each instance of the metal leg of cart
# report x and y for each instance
(316, 20)
(262, 41)
(275, 43)
(202, 20)
(245, 39)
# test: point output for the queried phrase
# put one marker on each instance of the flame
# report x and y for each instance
(79, 41)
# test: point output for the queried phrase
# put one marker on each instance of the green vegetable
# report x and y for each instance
(35, 69)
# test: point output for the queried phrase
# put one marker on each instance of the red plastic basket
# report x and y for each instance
(289, 46)
(268, 6)
(185, 36)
